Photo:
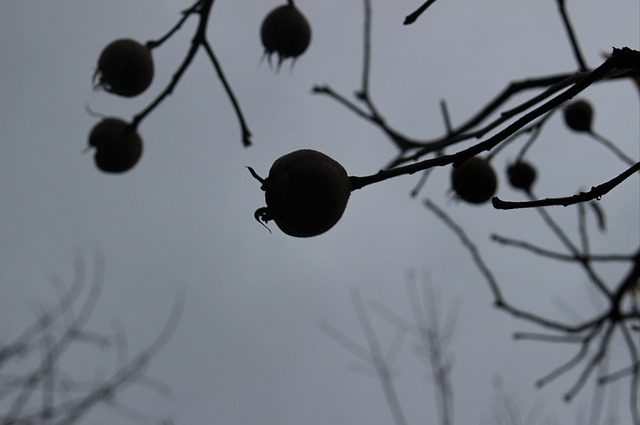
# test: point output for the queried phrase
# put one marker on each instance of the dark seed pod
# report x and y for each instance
(306, 193)
(118, 146)
(286, 32)
(521, 175)
(125, 68)
(578, 116)
(474, 181)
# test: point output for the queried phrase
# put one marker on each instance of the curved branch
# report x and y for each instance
(596, 192)
(246, 134)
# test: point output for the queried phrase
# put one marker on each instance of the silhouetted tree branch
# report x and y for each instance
(598, 330)
(596, 192)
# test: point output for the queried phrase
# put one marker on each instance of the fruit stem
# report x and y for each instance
(255, 175)
(612, 147)
(262, 216)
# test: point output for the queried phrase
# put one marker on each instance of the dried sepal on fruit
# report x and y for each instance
(521, 175)
(578, 116)
(306, 193)
(117, 143)
(125, 68)
(474, 181)
(286, 32)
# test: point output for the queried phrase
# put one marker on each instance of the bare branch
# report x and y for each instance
(596, 192)
(612, 147)
(595, 361)
(366, 60)
(571, 34)
(152, 44)
(574, 361)
(558, 255)
(203, 9)
(411, 18)
(246, 134)
(378, 360)
(499, 301)
(349, 344)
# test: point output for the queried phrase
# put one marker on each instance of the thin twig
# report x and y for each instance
(582, 256)
(152, 44)
(203, 9)
(378, 361)
(411, 18)
(366, 59)
(558, 255)
(582, 230)
(349, 344)
(612, 147)
(529, 336)
(582, 65)
(595, 361)
(571, 363)
(246, 133)
(634, 396)
(168, 90)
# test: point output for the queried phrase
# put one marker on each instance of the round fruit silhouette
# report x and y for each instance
(521, 175)
(474, 181)
(578, 116)
(125, 68)
(286, 32)
(118, 145)
(306, 193)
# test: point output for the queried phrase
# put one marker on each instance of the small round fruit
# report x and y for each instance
(578, 116)
(286, 32)
(125, 68)
(118, 145)
(521, 175)
(474, 181)
(306, 193)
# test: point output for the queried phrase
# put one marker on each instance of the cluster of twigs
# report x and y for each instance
(592, 337)
(202, 10)
(556, 90)
(36, 388)
(622, 314)
(430, 331)
(430, 337)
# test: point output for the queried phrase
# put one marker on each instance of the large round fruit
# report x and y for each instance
(118, 145)
(286, 32)
(578, 116)
(306, 193)
(125, 68)
(474, 181)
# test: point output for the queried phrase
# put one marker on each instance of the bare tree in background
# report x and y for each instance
(38, 385)
(430, 331)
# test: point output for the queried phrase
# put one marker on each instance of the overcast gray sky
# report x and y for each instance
(248, 349)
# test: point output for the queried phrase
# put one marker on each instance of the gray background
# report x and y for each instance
(248, 349)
